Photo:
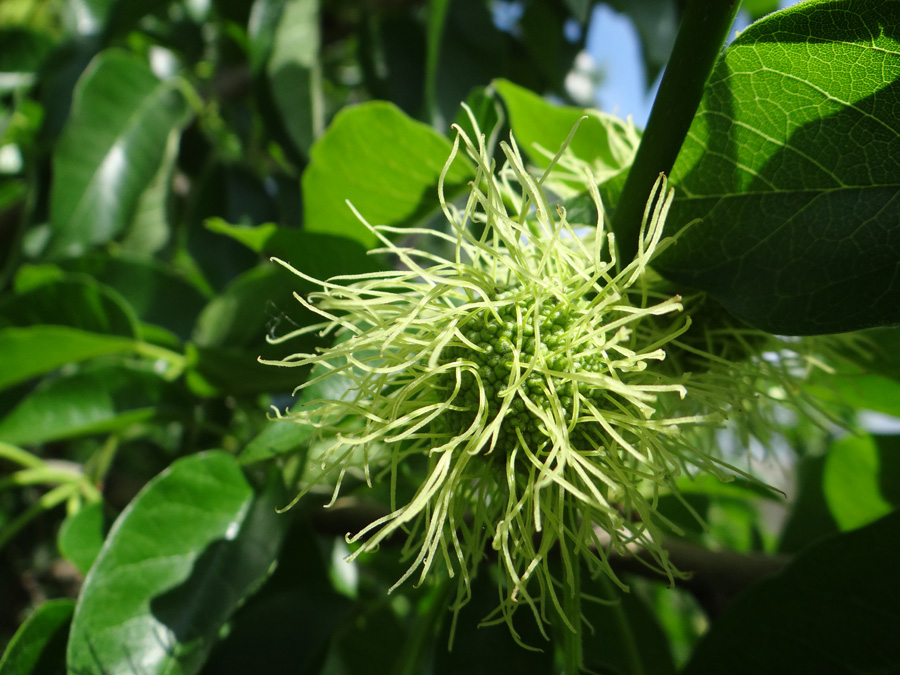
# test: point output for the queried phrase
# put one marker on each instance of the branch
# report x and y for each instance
(704, 27)
(714, 577)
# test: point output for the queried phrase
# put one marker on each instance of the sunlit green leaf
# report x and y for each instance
(851, 482)
(384, 163)
(39, 646)
(604, 141)
(790, 173)
(179, 560)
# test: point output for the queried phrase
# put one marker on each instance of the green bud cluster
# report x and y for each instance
(533, 337)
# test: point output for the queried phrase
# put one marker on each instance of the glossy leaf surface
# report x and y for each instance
(179, 560)
(101, 170)
(789, 175)
(384, 163)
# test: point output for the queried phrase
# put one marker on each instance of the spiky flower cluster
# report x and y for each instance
(528, 367)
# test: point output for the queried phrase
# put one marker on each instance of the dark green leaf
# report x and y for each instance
(157, 293)
(39, 646)
(96, 400)
(222, 370)
(39, 349)
(321, 256)
(180, 559)
(284, 437)
(835, 609)
(623, 636)
(810, 518)
(82, 535)
(251, 308)
(101, 170)
(23, 53)
(73, 300)
(790, 173)
(481, 650)
(386, 164)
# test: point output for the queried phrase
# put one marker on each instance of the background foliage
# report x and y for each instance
(154, 155)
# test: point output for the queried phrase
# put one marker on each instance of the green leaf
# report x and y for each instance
(386, 164)
(101, 399)
(194, 543)
(82, 535)
(623, 636)
(73, 300)
(39, 349)
(852, 481)
(250, 308)
(39, 646)
(835, 609)
(278, 438)
(24, 51)
(284, 437)
(156, 292)
(789, 174)
(604, 141)
(859, 391)
(101, 170)
(321, 256)
(295, 74)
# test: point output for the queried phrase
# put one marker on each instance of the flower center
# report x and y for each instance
(538, 341)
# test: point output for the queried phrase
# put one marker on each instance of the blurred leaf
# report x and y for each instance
(284, 437)
(759, 8)
(480, 650)
(384, 163)
(188, 550)
(624, 636)
(250, 308)
(294, 72)
(851, 483)
(277, 438)
(39, 646)
(218, 371)
(835, 609)
(101, 170)
(810, 518)
(39, 349)
(261, 29)
(157, 293)
(82, 535)
(789, 173)
(860, 392)
(71, 300)
(149, 228)
(23, 52)
(604, 141)
(321, 256)
(100, 399)
(91, 14)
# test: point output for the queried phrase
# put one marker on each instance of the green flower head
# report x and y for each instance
(527, 365)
